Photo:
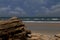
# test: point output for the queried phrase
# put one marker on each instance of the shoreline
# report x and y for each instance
(43, 28)
(41, 24)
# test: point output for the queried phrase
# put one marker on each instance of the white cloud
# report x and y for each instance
(13, 12)
(45, 10)
(4, 8)
(18, 9)
(8, 11)
(55, 9)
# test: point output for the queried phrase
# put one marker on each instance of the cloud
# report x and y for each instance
(30, 8)
(7, 11)
(55, 10)
(35, 1)
(39, 8)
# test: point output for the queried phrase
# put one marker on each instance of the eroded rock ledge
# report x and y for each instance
(39, 36)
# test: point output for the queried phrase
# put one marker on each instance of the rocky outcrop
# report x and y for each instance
(57, 36)
(38, 36)
(13, 29)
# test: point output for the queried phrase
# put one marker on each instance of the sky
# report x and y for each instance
(30, 8)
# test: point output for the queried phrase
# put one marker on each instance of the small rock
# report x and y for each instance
(38, 36)
(57, 37)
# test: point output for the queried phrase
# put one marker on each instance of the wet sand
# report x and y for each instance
(44, 28)
(43, 24)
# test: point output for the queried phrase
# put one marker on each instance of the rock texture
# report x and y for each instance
(38, 36)
(13, 29)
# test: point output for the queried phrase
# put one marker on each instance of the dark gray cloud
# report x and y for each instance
(30, 8)
(7, 11)
(54, 11)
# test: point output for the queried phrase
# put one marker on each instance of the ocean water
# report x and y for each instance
(35, 18)
(40, 18)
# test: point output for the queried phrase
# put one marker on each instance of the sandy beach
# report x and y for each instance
(43, 24)
(44, 28)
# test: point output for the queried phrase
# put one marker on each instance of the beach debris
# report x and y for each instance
(13, 29)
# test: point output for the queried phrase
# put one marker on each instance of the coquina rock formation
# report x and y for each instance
(13, 29)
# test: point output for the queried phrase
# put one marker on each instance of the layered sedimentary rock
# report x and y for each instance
(12, 29)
